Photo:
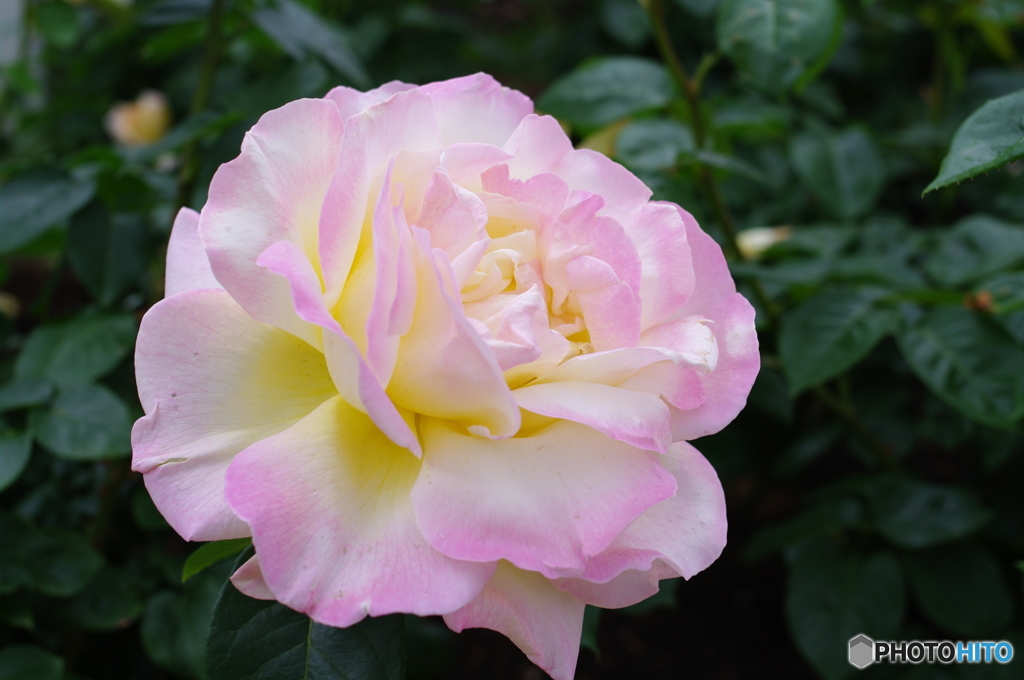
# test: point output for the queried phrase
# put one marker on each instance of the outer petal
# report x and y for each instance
(668, 278)
(249, 580)
(623, 192)
(546, 501)
(543, 621)
(328, 503)
(687, 532)
(212, 381)
(626, 589)
(272, 192)
(351, 101)
(538, 144)
(477, 108)
(188, 268)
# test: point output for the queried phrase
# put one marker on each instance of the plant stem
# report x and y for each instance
(689, 88)
(208, 70)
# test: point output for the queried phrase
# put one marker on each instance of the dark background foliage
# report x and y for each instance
(875, 482)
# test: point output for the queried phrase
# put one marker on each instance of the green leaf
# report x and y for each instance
(821, 520)
(27, 662)
(832, 596)
(990, 137)
(252, 639)
(969, 363)
(211, 553)
(299, 31)
(87, 422)
(591, 621)
(24, 392)
(168, 12)
(915, 514)
(175, 625)
(15, 449)
(76, 352)
(961, 588)
(775, 42)
(842, 169)
(701, 8)
(606, 90)
(626, 21)
(829, 333)
(976, 247)
(59, 563)
(653, 144)
(145, 513)
(109, 602)
(192, 128)
(108, 252)
(58, 22)
(31, 205)
(728, 163)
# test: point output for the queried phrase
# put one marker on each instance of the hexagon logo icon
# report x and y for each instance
(862, 651)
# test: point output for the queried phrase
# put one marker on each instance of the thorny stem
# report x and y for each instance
(208, 70)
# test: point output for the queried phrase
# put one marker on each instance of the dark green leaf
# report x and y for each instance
(829, 333)
(701, 8)
(728, 163)
(87, 422)
(59, 563)
(175, 625)
(209, 554)
(653, 144)
(107, 251)
(299, 31)
(109, 602)
(166, 12)
(961, 588)
(626, 21)
(24, 392)
(821, 520)
(78, 351)
(252, 639)
(832, 596)
(968, 362)
(145, 513)
(774, 42)
(842, 169)
(990, 137)
(15, 449)
(976, 247)
(607, 90)
(26, 662)
(591, 621)
(916, 514)
(58, 22)
(190, 129)
(33, 205)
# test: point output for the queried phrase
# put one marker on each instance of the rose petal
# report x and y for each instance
(545, 501)
(624, 194)
(188, 268)
(333, 526)
(628, 588)
(212, 381)
(541, 620)
(538, 144)
(248, 578)
(667, 279)
(477, 108)
(351, 101)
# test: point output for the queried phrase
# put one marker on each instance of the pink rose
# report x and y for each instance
(433, 360)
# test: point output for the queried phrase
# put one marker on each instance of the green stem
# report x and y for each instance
(688, 87)
(207, 73)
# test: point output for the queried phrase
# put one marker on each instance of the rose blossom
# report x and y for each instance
(433, 360)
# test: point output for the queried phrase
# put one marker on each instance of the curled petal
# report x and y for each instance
(626, 589)
(546, 501)
(248, 578)
(667, 279)
(351, 101)
(624, 194)
(477, 108)
(212, 381)
(328, 504)
(545, 622)
(188, 268)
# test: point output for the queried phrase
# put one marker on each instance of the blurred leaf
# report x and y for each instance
(961, 588)
(86, 422)
(701, 8)
(145, 513)
(968, 362)
(915, 514)
(15, 449)
(175, 625)
(193, 127)
(109, 602)
(57, 22)
(252, 639)
(76, 352)
(626, 21)
(774, 42)
(771, 394)
(24, 392)
(59, 563)
(34, 204)
(27, 662)
(299, 31)
(591, 621)
(990, 137)
(728, 163)
(166, 12)
(821, 520)
(108, 252)
(607, 89)
(751, 118)
(653, 144)
(16, 613)
(832, 596)
(211, 553)
(829, 333)
(842, 169)
(976, 247)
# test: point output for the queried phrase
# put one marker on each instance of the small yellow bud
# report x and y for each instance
(754, 242)
(141, 122)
